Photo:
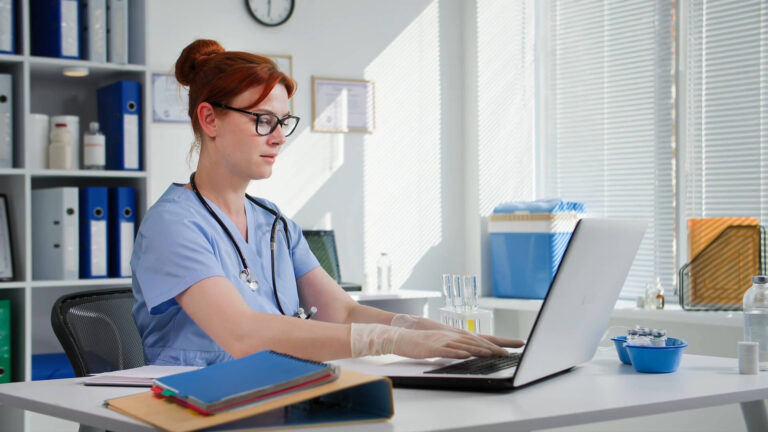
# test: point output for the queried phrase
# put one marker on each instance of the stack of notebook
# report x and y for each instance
(249, 379)
(256, 391)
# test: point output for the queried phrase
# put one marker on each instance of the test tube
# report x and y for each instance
(448, 290)
(471, 292)
(458, 299)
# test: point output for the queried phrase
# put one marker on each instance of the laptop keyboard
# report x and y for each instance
(479, 365)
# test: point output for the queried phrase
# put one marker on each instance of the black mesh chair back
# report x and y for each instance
(97, 331)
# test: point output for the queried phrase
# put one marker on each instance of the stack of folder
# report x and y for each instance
(85, 232)
(7, 27)
(265, 389)
(5, 341)
(95, 30)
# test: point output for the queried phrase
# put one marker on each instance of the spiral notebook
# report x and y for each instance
(242, 381)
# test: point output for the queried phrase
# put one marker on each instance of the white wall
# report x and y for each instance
(397, 190)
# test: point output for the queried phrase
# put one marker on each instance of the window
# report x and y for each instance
(608, 115)
(724, 158)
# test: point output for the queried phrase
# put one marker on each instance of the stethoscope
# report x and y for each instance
(245, 273)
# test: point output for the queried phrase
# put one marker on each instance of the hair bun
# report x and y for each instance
(193, 56)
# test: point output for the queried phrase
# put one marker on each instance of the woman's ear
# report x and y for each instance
(207, 118)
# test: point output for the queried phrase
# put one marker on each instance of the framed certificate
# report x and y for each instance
(342, 105)
(6, 251)
(285, 64)
(170, 100)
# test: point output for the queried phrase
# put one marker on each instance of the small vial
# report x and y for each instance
(658, 337)
(632, 336)
(643, 337)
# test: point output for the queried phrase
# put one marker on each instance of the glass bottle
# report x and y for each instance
(756, 317)
(60, 148)
(383, 273)
(659, 300)
(94, 148)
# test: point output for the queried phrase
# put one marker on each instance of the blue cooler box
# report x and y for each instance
(526, 250)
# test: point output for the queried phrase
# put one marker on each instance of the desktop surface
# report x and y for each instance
(602, 389)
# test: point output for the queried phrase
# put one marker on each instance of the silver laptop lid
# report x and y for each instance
(575, 312)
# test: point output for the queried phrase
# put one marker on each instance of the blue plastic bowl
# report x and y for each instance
(619, 342)
(651, 359)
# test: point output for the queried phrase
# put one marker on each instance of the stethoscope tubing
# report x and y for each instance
(272, 238)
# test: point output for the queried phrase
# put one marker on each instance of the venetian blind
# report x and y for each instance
(610, 120)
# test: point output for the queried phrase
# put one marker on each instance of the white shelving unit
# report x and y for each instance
(40, 87)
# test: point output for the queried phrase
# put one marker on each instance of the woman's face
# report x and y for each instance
(244, 152)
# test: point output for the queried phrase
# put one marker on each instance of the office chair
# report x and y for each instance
(97, 330)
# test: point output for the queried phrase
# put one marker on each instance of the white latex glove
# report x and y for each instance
(420, 323)
(377, 339)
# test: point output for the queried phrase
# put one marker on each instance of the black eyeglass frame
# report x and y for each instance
(280, 121)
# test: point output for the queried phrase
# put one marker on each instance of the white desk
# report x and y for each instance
(597, 391)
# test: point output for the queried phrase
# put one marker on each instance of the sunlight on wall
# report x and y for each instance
(505, 102)
(401, 161)
(294, 180)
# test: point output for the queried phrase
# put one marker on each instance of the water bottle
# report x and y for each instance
(756, 317)
(93, 148)
(383, 273)
(60, 148)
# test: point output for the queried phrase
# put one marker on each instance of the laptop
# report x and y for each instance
(323, 245)
(567, 329)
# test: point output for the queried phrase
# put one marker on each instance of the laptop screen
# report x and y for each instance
(322, 243)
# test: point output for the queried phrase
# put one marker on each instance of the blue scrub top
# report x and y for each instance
(179, 244)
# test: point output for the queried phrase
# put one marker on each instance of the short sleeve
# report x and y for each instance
(303, 258)
(172, 252)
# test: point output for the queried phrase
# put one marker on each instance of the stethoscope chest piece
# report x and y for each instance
(249, 280)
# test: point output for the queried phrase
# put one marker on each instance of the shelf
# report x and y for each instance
(398, 295)
(85, 283)
(11, 285)
(87, 173)
(628, 310)
(11, 58)
(11, 171)
(51, 67)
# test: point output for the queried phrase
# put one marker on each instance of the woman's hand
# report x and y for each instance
(377, 339)
(419, 323)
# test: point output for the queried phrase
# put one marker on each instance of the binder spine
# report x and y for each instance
(7, 27)
(6, 121)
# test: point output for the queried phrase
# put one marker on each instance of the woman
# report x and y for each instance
(203, 269)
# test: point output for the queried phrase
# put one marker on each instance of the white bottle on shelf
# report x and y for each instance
(383, 273)
(60, 148)
(93, 148)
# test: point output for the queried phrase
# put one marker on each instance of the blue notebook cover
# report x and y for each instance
(246, 378)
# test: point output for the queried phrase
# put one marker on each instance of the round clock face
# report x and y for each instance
(270, 12)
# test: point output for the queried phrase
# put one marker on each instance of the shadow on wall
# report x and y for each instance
(399, 189)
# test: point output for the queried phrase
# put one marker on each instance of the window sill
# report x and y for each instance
(627, 310)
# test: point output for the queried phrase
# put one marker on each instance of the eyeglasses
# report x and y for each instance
(266, 123)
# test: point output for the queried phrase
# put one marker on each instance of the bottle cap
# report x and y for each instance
(760, 279)
(61, 125)
(93, 127)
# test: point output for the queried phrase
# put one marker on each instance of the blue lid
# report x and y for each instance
(540, 206)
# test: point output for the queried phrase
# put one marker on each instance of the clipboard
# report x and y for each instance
(353, 398)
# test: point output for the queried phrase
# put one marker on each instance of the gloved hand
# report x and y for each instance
(420, 323)
(377, 339)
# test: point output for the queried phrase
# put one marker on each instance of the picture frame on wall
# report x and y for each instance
(170, 100)
(343, 105)
(284, 64)
(6, 247)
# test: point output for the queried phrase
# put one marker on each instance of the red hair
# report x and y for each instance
(216, 75)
